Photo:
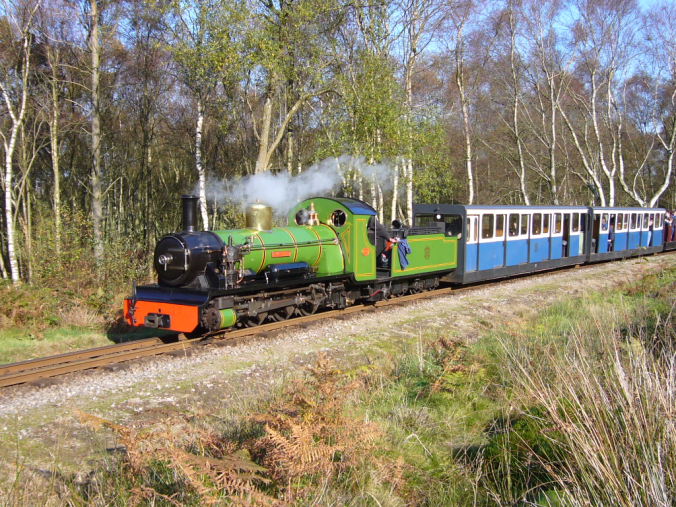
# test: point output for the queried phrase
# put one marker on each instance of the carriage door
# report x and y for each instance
(566, 235)
(515, 248)
(647, 229)
(574, 244)
(471, 244)
(602, 242)
(556, 243)
(658, 228)
(634, 231)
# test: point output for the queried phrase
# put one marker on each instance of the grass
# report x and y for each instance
(574, 406)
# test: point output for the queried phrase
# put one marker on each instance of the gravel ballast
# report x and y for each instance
(40, 428)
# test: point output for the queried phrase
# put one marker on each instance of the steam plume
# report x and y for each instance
(283, 191)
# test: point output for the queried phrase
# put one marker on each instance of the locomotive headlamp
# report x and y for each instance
(165, 260)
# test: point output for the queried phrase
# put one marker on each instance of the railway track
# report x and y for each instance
(38, 371)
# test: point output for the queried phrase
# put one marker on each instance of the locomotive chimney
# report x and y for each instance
(189, 212)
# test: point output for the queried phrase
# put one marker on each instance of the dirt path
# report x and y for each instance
(41, 431)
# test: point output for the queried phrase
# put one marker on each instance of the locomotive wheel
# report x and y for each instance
(415, 288)
(308, 309)
(283, 313)
(256, 321)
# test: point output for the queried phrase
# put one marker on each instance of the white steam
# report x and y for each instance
(283, 191)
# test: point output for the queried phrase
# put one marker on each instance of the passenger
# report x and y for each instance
(668, 224)
(673, 225)
(650, 230)
(381, 238)
(604, 227)
(611, 234)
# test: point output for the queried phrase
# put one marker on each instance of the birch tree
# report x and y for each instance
(605, 39)
(14, 86)
(470, 43)
(291, 50)
(547, 76)
(421, 21)
(205, 38)
(660, 122)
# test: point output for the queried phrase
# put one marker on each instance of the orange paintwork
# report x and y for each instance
(183, 318)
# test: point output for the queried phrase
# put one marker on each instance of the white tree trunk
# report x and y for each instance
(17, 118)
(395, 193)
(409, 191)
(54, 147)
(201, 173)
(97, 197)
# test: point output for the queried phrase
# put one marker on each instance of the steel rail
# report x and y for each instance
(71, 362)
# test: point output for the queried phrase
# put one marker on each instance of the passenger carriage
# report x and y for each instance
(634, 232)
(499, 241)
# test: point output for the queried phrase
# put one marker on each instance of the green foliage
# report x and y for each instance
(373, 124)
(207, 42)
(434, 179)
(522, 458)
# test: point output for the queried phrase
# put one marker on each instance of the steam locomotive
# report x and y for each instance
(329, 256)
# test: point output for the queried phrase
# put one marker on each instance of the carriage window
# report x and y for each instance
(524, 224)
(557, 223)
(499, 226)
(513, 225)
(604, 222)
(537, 223)
(487, 226)
(545, 223)
(633, 220)
(646, 220)
(620, 221)
(626, 221)
(576, 222)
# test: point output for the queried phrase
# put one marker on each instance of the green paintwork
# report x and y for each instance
(316, 245)
(228, 318)
(357, 250)
(429, 253)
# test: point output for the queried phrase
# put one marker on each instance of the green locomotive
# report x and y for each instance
(331, 255)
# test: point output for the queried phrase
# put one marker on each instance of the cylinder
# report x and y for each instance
(259, 217)
(189, 212)
(228, 318)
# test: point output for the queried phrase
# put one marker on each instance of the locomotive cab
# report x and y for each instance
(349, 220)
